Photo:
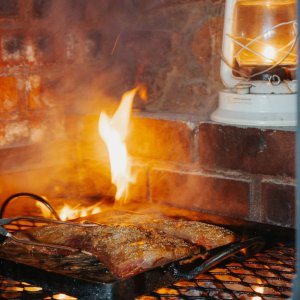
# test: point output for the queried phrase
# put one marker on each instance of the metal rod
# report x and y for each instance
(7, 221)
(253, 245)
(30, 195)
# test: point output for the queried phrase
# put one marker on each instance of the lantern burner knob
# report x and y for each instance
(243, 88)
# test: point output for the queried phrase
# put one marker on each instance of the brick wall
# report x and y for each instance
(60, 57)
(64, 61)
(244, 173)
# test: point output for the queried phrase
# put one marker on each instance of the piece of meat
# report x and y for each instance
(128, 243)
(125, 250)
(199, 233)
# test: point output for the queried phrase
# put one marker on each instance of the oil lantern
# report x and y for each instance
(259, 61)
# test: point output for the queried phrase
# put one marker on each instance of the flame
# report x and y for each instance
(68, 213)
(114, 131)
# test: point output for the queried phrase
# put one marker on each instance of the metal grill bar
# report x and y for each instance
(266, 276)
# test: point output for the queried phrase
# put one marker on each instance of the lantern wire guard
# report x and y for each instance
(265, 95)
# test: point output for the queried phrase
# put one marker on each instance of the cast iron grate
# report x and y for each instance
(268, 275)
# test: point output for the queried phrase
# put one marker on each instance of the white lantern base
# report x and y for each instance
(256, 109)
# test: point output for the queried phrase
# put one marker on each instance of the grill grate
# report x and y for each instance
(268, 275)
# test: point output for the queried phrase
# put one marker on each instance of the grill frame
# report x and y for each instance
(209, 285)
(204, 291)
(37, 272)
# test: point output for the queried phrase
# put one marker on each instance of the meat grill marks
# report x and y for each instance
(128, 243)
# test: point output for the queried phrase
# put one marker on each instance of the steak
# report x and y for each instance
(127, 243)
(124, 250)
(199, 233)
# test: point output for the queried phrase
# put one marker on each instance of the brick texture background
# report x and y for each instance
(64, 61)
(244, 173)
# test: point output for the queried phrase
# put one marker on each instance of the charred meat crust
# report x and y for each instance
(129, 243)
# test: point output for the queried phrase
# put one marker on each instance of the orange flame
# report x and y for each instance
(114, 131)
(68, 213)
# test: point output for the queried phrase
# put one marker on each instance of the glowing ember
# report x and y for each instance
(63, 297)
(114, 132)
(258, 289)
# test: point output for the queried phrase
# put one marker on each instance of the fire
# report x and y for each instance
(114, 131)
(68, 213)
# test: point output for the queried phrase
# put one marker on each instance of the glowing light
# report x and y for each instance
(114, 131)
(44, 210)
(268, 34)
(69, 213)
(269, 52)
(63, 297)
(258, 289)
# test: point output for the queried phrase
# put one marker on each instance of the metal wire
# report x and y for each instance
(268, 275)
(35, 197)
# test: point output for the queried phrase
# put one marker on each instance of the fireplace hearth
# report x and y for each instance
(267, 274)
(62, 62)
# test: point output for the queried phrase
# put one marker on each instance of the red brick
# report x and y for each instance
(73, 43)
(9, 8)
(94, 178)
(45, 91)
(9, 97)
(161, 139)
(41, 8)
(278, 204)
(97, 9)
(90, 145)
(32, 130)
(16, 133)
(13, 47)
(158, 4)
(203, 50)
(253, 150)
(93, 44)
(151, 47)
(47, 181)
(44, 47)
(15, 159)
(138, 190)
(223, 196)
(33, 89)
(75, 10)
